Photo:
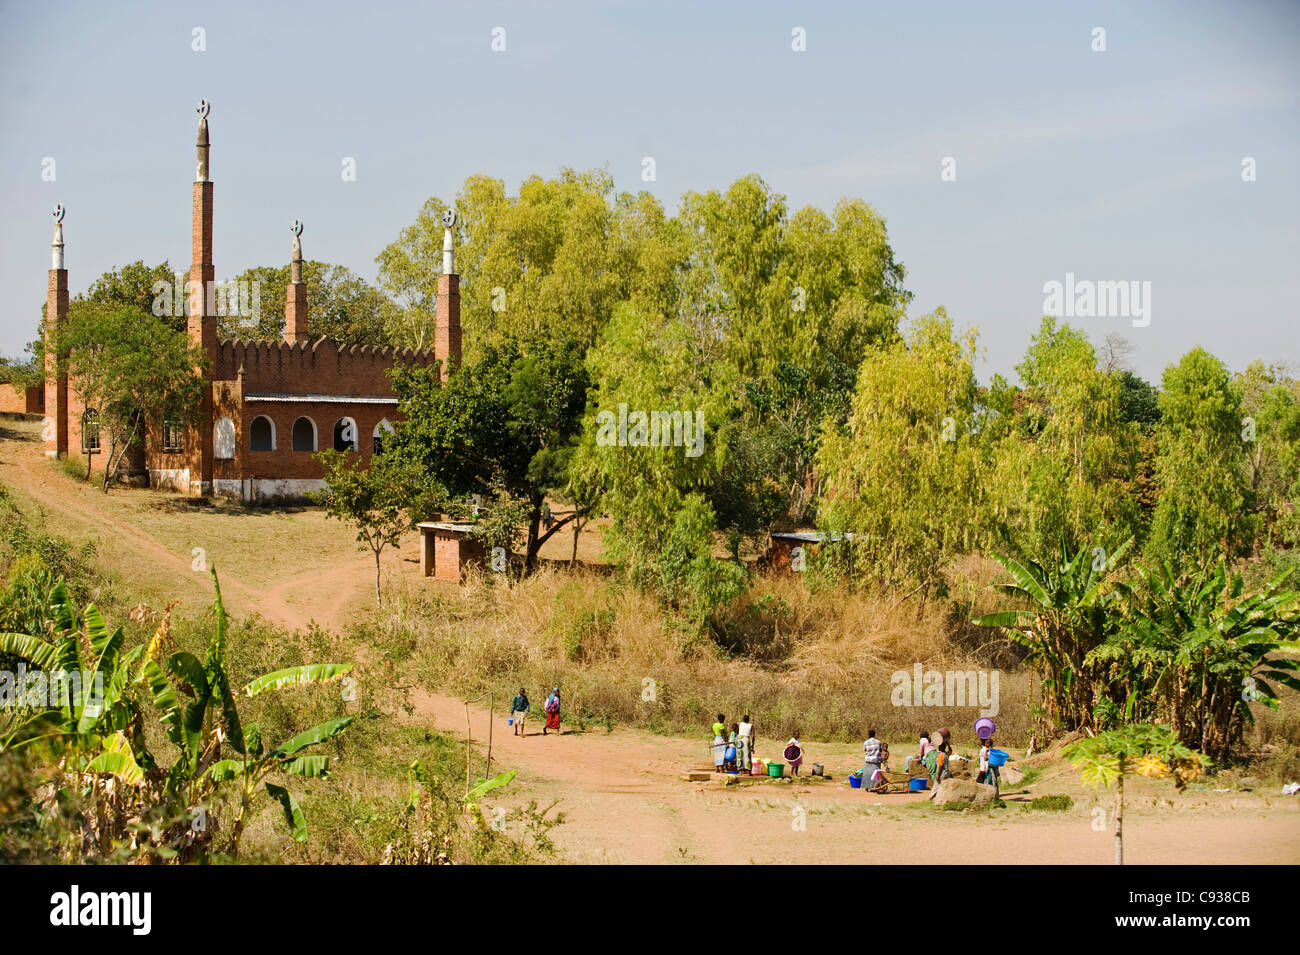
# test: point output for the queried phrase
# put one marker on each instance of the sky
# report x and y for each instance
(1124, 164)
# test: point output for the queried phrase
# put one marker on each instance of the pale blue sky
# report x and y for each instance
(1114, 166)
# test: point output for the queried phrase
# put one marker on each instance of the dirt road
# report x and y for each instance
(622, 792)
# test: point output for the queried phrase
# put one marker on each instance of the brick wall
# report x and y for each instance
(15, 399)
(323, 368)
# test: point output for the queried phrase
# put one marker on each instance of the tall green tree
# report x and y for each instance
(552, 260)
(382, 500)
(508, 418)
(1270, 403)
(1205, 499)
(1064, 465)
(663, 529)
(132, 371)
(904, 476)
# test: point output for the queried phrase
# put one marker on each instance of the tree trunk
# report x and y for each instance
(534, 519)
(379, 600)
(577, 529)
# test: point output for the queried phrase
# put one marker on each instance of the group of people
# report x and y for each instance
(520, 706)
(935, 757)
(733, 748)
(733, 752)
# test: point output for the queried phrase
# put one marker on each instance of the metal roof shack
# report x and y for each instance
(447, 550)
(787, 550)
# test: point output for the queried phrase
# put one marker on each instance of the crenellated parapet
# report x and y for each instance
(298, 367)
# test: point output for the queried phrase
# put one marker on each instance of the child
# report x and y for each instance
(988, 772)
(794, 753)
(729, 764)
(519, 710)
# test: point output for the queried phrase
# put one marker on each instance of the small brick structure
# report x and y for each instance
(784, 547)
(268, 406)
(447, 550)
(15, 399)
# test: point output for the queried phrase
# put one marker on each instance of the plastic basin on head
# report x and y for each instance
(984, 727)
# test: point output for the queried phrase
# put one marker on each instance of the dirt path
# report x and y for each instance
(622, 792)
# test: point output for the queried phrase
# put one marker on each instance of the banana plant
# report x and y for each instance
(97, 733)
(1196, 650)
(1069, 614)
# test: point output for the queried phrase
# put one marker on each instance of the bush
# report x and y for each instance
(1057, 803)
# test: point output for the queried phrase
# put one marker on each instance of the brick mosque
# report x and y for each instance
(267, 406)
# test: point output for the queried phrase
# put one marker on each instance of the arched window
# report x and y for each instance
(223, 439)
(345, 435)
(261, 435)
(381, 430)
(304, 434)
(90, 431)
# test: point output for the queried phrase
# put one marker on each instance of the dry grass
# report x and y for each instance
(791, 658)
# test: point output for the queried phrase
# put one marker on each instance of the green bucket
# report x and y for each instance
(776, 770)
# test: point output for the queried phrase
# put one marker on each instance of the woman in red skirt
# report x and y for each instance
(552, 711)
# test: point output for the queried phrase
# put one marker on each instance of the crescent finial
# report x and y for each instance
(296, 228)
(449, 218)
(203, 108)
(59, 212)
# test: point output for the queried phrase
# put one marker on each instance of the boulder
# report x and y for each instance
(965, 791)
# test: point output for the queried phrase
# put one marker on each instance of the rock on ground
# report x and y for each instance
(963, 791)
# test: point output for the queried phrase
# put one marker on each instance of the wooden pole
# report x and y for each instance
(468, 739)
(491, 720)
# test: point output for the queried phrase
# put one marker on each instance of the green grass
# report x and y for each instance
(1056, 803)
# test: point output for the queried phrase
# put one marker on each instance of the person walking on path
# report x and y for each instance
(552, 711)
(519, 711)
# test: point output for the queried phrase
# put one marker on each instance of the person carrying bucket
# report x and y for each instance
(794, 753)
(988, 771)
(988, 766)
(519, 711)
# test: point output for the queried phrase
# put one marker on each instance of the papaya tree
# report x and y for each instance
(1136, 749)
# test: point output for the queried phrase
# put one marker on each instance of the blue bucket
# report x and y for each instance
(855, 781)
(917, 784)
(997, 757)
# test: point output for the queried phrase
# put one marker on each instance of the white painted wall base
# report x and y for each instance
(285, 489)
(228, 487)
(172, 479)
